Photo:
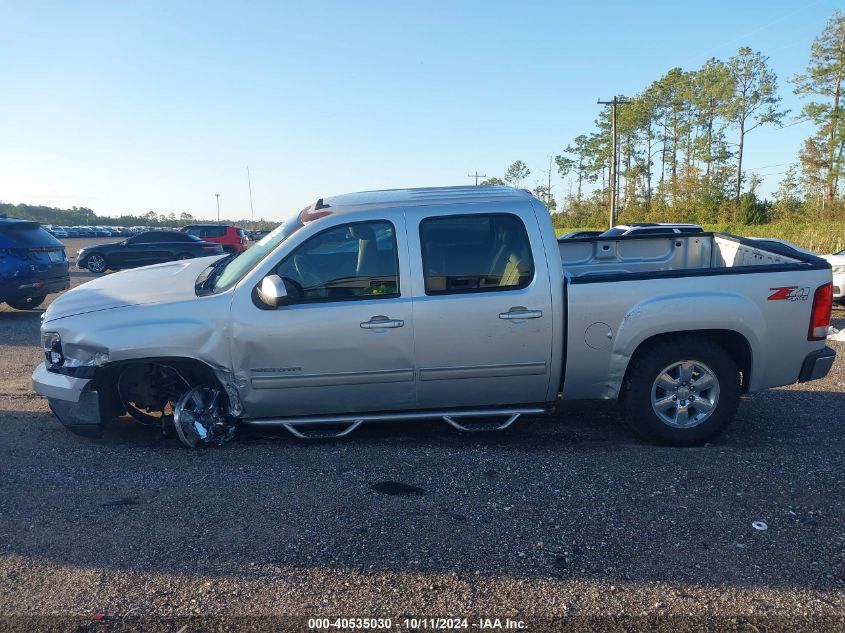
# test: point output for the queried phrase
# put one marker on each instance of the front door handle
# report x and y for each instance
(379, 322)
(518, 313)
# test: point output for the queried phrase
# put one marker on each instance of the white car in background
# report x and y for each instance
(56, 231)
(837, 262)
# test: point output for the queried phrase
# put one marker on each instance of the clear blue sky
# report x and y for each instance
(139, 106)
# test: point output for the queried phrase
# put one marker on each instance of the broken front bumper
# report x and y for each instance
(71, 400)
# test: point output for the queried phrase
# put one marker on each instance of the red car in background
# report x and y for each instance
(232, 238)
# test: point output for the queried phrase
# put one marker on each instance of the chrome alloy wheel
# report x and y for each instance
(685, 394)
(199, 418)
(96, 263)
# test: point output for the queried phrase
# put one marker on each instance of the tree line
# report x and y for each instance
(682, 143)
(83, 216)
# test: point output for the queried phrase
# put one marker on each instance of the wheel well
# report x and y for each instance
(88, 256)
(733, 343)
(105, 381)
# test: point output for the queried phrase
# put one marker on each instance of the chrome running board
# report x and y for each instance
(481, 425)
(334, 426)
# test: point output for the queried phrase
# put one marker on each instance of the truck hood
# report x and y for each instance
(161, 283)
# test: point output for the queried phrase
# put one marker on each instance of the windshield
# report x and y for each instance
(236, 268)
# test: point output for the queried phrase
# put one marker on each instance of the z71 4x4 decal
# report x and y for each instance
(789, 293)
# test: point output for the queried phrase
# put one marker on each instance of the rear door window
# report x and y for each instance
(181, 237)
(475, 253)
(152, 238)
(26, 235)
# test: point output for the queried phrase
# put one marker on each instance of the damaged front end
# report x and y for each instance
(170, 395)
(81, 417)
(177, 396)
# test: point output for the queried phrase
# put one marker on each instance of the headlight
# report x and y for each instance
(51, 343)
(71, 360)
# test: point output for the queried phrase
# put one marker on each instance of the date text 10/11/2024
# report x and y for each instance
(416, 623)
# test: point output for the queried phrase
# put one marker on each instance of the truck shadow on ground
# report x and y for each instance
(574, 496)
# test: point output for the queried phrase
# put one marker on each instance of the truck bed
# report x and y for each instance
(622, 290)
(630, 255)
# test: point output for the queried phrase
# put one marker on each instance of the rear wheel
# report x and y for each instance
(681, 391)
(96, 263)
(26, 304)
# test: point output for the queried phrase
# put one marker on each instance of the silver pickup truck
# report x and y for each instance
(449, 303)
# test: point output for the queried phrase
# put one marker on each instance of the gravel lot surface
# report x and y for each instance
(566, 516)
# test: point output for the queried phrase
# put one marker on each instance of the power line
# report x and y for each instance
(760, 28)
(804, 120)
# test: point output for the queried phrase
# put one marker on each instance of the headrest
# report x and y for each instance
(362, 232)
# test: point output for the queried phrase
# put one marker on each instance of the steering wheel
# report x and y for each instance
(310, 281)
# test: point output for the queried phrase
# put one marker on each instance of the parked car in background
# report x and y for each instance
(151, 247)
(452, 303)
(232, 238)
(837, 262)
(71, 232)
(32, 263)
(652, 228)
(55, 230)
(575, 234)
(256, 235)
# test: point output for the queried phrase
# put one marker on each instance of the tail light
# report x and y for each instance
(820, 316)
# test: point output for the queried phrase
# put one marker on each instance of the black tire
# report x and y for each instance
(641, 383)
(26, 304)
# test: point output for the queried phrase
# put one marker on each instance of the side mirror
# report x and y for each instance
(272, 291)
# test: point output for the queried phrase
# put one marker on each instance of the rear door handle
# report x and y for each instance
(379, 322)
(519, 313)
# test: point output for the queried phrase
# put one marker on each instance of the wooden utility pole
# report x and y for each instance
(613, 180)
(476, 175)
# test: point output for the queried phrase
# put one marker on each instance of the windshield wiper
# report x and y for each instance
(214, 271)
